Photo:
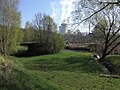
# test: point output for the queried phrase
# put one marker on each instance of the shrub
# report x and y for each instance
(55, 44)
(6, 73)
(49, 43)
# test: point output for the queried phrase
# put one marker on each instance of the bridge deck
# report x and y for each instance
(28, 43)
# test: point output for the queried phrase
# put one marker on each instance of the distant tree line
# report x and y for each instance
(77, 37)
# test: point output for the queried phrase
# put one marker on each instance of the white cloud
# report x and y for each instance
(54, 9)
(66, 9)
(61, 10)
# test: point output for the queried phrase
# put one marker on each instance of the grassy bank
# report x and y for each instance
(13, 76)
(68, 71)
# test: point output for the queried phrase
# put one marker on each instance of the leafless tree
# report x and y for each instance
(104, 16)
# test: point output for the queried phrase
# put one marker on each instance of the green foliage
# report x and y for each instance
(55, 43)
(48, 23)
(99, 31)
(16, 38)
(51, 43)
(28, 32)
(9, 26)
(43, 32)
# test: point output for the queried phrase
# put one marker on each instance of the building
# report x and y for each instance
(63, 28)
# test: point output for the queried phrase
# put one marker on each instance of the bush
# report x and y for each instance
(6, 73)
(55, 43)
(48, 43)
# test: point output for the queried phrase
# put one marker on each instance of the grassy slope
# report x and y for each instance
(19, 78)
(69, 71)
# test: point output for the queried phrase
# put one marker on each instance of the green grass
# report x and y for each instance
(27, 80)
(20, 48)
(66, 61)
(67, 71)
(13, 76)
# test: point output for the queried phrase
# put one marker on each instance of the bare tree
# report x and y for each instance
(104, 16)
(95, 11)
(86, 9)
(43, 24)
(106, 34)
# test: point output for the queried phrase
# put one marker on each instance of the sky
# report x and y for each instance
(59, 10)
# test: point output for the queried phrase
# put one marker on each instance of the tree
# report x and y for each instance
(9, 26)
(28, 32)
(106, 33)
(85, 10)
(43, 32)
(75, 37)
(104, 17)
(43, 23)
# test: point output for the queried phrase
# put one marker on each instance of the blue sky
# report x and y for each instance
(59, 10)
(29, 8)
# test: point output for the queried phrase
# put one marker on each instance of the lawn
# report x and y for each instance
(68, 71)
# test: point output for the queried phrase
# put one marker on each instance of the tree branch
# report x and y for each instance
(113, 41)
(114, 34)
(118, 2)
(94, 13)
(112, 48)
(108, 3)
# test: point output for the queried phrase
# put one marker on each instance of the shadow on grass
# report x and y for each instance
(26, 53)
(82, 64)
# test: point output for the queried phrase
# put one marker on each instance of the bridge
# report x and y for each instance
(35, 48)
(32, 46)
(28, 43)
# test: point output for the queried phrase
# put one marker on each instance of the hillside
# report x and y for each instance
(69, 71)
